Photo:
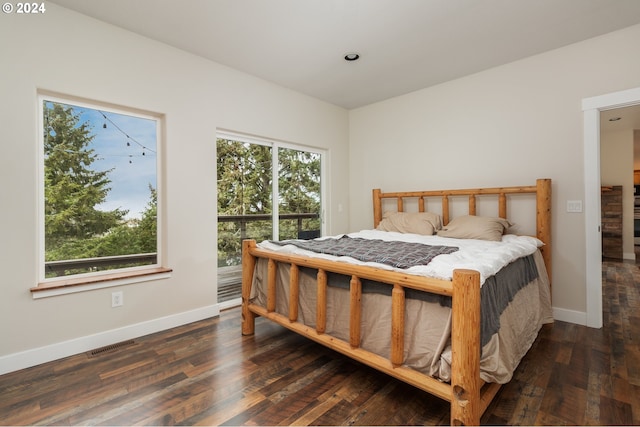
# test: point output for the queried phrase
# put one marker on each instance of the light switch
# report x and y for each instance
(574, 205)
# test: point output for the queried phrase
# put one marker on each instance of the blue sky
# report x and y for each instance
(133, 171)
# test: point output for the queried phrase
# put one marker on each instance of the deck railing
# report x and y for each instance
(230, 277)
(59, 268)
(243, 220)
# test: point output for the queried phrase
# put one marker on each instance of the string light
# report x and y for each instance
(129, 138)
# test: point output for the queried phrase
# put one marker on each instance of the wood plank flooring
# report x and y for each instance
(206, 373)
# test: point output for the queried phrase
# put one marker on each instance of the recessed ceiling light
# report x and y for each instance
(615, 119)
(351, 56)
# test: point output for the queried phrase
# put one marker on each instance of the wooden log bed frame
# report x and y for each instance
(468, 394)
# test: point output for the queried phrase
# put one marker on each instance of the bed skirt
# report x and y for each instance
(427, 324)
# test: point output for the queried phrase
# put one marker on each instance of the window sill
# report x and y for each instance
(81, 284)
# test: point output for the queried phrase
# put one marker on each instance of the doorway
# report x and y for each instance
(619, 159)
(592, 107)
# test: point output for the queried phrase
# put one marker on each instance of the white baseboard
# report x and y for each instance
(36, 356)
(570, 316)
(230, 304)
(630, 256)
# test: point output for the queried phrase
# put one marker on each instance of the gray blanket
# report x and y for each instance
(393, 253)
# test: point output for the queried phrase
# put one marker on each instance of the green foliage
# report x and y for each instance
(147, 230)
(72, 188)
(299, 189)
(245, 188)
(136, 236)
(244, 178)
(74, 227)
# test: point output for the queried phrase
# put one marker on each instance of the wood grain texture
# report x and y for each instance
(294, 292)
(206, 373)
(465, 348)
(248, 265)
(321, 302)
(355, 311)
(397, 326)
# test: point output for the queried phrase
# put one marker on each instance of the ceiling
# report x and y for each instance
(620, 119)
(404, 45)
(623, 119)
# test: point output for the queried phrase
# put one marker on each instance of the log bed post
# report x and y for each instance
(355, 311)
(465, 348)
(321, 302)
(543, 221)
(472, 204)
(377, 207)
(445, 209)
(294, 292)
(397, 325)
(248, 265)
(272, 273)
(502, 206)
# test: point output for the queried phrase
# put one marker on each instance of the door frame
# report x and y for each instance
(591, 108)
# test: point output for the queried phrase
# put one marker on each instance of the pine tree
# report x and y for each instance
(147, 230)
(72, 188)
(245, 188)
(299, 189)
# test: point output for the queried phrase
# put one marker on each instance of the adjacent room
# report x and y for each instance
(156, 155)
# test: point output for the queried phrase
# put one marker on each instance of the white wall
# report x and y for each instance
(65, 52)
(504, 126)
(616, 168)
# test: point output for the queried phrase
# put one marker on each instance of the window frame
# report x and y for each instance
(275, 145)
(107, 278)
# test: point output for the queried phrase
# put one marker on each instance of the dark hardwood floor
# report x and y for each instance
(206, 373)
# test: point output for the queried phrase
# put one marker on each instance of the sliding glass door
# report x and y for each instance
(267, 190)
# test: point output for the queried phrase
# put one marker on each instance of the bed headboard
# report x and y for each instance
(541, 191)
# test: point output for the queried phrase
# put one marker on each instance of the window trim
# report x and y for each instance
(108, 278)
(62, 287)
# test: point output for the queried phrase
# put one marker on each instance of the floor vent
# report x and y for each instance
(110, 348)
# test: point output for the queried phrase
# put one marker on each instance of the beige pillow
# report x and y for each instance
(475, 227)
(425, 223)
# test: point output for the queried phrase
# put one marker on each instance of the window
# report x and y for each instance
(99, 190)
(252, 174)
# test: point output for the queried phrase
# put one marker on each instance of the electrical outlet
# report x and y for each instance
(117, 299)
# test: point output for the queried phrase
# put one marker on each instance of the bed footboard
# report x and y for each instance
(466, 393)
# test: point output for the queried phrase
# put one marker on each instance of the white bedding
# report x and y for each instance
(486, 257)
